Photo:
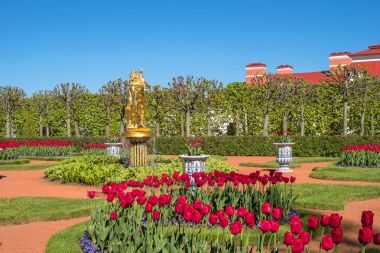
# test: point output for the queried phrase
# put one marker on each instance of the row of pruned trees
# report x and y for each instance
(345, 102)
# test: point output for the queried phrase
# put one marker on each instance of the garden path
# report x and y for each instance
(32, 183)
(32, 237)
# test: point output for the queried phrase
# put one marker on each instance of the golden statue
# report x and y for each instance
(135, 108)
(136, 132)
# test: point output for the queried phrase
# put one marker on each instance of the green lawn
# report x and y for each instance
(28, 209)
(11, 162)
(297, 161)
(67, 240)
(26, 166)
(331, 197)
(333, 172)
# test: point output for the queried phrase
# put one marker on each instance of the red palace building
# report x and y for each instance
(369, 59)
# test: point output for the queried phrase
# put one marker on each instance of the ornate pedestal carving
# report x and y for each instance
(138, 138)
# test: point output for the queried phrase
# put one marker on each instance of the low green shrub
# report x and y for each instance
(95, 170)
(9, 154)
(261, 146)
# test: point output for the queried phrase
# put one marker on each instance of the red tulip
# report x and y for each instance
(337, 235)
(276, 213)
(206, 209)
(223, 221)
(265, 208)
(250, 219)
(181, 200)
(148, 207)
(213, 219)
(188, 216)
(312, 222)
(110, 197)
(178, 208)
(197, 204)
(235, 228)
(292, 179)
(367, 219)
(197, 217)
(325, 220)
(376, 239)
(335, 220)
(155, 215)
(305, 236)
(91, 194)
(153, 200)
(265, 226)
(298, 245)
(113, 215)
(241, 212)
(296, 227)
(274, 226)
(229, 210)
(288, 238)
(327, 243)
(365, 235)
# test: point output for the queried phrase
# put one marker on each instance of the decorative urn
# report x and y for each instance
(284, 155)
(113, 148)
(192, 164)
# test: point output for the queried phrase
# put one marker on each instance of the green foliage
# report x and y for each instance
(360, 158)
(29, 209)
(334, 172)
(66, 240)
(95, 170)
(261, 146)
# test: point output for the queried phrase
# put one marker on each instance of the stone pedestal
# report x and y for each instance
(138, 138)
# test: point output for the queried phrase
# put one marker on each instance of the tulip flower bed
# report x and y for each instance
(49, 148)
(94, 149)
(169, 215)
(366, 155)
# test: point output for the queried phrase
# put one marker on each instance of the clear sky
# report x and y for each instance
(43, 43)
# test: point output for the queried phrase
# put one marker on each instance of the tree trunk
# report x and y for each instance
(302, 121)
(372, 123)
(188, 122)
(245, 123)
(8, 125)
(266, 121)
(47, 130)
(237, 125)
(345, 117)
(182, 126)
(284, 123)
(209, 133)
(76, 128)
(108, 123)
(362, 119)
(157, 128)
(68, 124)
(41, 126)
(122, 118)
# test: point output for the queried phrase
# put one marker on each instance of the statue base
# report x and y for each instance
(138, 138)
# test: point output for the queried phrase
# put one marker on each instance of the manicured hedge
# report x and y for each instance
(260, 146)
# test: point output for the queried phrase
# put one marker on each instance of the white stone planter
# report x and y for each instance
(113, 148)
(284, 155)
(192, 164)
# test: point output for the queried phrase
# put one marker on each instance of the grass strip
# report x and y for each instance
(11, 162)
(331, 197)
(334, 172)
(26, 166)
(28, 209)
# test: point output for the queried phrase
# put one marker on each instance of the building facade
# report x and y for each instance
(369, 59)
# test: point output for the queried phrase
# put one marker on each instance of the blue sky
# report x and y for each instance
(43, 43)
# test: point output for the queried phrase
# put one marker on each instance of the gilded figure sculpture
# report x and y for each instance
(135, 108)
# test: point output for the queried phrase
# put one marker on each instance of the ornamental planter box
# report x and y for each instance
(113, 148)
(192, 164)
(284, 155)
